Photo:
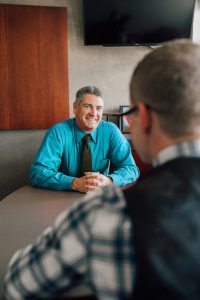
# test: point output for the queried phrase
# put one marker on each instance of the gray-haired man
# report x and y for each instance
(58, 162)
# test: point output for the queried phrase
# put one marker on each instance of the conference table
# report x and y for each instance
(24, 214)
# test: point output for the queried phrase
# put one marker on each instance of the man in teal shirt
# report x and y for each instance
(58, 162)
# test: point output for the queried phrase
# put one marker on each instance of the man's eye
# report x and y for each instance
(86, 106)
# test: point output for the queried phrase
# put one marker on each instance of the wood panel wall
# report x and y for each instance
(4, 86)
(37, 64)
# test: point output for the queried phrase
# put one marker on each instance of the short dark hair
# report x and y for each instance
(168, 79)
(88, 90)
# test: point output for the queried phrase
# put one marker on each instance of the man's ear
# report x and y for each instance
(145, 118)
(75, 106)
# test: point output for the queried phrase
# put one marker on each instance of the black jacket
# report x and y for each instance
(165, 210)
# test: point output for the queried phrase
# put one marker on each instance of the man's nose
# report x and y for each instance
(93, 111)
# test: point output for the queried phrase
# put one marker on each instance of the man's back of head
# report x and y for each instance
(168, 79)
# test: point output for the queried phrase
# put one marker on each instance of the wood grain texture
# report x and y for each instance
(4, 84)
(38, 65)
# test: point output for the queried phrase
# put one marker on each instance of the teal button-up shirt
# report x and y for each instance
(58, 160)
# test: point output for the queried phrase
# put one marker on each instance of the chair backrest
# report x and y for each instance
(17, 151)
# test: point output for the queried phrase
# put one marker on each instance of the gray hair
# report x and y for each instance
(168, 80)
(87, 90)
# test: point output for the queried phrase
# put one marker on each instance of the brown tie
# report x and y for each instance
(86, 155)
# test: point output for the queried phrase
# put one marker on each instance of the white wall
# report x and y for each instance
(196, 23)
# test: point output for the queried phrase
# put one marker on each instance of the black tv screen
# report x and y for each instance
(136, 22)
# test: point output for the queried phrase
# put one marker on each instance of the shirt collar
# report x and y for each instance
(184, 149)
(79, 134)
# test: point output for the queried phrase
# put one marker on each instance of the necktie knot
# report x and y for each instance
(86, 138)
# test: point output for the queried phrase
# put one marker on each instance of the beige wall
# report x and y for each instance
(109, 68)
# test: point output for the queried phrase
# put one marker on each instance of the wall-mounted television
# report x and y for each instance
(136, 22)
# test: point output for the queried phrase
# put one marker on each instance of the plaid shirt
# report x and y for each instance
(90, 243)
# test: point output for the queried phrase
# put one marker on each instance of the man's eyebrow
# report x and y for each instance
(90, 104)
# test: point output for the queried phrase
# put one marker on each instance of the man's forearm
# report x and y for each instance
(49, 179)
(125, 175)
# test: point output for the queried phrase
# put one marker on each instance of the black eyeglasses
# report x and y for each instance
(130, 111)
(135, 109)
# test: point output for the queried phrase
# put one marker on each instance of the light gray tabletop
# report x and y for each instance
(24, 214)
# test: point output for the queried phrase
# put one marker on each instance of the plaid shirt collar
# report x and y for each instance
(184, 149)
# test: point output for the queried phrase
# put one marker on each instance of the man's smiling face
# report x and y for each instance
(88, 112)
